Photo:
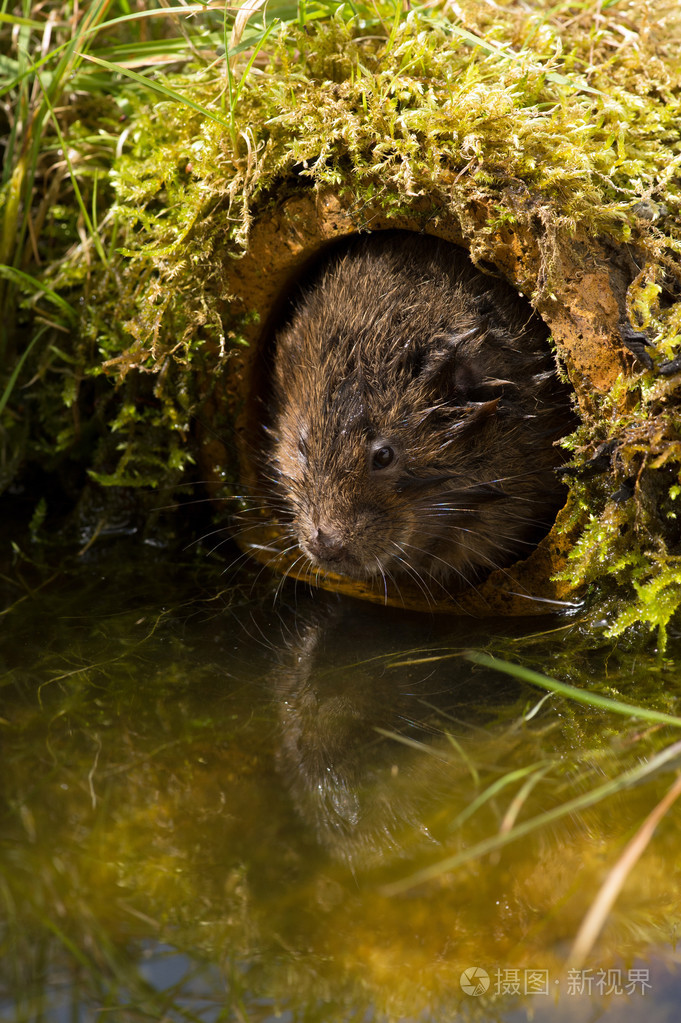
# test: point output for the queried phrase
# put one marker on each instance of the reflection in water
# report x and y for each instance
(362, 747)
(206, 800)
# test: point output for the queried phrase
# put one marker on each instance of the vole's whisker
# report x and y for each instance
(412, 573)
(288, 572)
(385, 581)
(441, 561)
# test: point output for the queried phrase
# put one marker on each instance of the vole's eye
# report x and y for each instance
(302, 447)
(382, 457)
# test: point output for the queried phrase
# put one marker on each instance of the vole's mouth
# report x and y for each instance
(338, 560)
(343, 564)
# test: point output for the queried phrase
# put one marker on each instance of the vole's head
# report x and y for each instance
(398, 434)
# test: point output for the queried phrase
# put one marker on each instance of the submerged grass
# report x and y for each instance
(143, 145)
(511, 830)
(579, 803)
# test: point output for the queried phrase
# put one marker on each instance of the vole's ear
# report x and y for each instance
(438, 359)
(453, 365)
(447, 364)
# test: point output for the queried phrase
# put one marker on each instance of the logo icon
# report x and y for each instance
(474, 980)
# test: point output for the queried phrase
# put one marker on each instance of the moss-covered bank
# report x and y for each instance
(545, 140)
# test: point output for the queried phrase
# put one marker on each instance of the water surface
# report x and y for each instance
(220, 804)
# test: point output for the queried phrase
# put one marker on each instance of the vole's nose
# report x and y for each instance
(326, 545)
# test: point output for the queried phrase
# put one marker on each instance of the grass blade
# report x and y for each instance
(9, 387)
(594, 921)
(162, 90)
(29, 283)
(629, 710)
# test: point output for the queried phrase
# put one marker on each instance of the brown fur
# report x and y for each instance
(401, 346)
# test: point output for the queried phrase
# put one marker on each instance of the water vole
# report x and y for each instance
(416, 407)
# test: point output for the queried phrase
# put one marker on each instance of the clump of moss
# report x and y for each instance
(563, 122)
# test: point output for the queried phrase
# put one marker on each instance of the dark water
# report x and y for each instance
(217, 806)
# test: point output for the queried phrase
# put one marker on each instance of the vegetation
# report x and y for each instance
(143, 144)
